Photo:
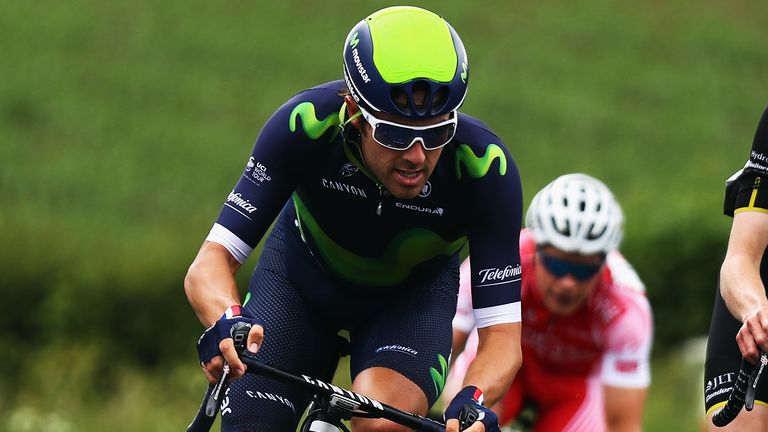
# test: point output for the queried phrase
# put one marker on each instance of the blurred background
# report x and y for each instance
(123, 126)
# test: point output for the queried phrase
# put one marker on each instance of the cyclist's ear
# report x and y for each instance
(353, 112)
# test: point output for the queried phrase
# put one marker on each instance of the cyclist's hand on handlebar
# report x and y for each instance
(215, 346)
(466, 409)
(753, 335)
(452, 425)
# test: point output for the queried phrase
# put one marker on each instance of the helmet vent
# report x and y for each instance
(400, 98)
(595, 235)
(422, 99)
(439, 99)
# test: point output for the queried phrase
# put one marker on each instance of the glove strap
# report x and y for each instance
(477, 395)
(232, 311)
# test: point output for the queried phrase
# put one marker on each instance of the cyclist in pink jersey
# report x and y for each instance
(587, 325)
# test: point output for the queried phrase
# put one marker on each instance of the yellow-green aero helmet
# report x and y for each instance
(402, 50)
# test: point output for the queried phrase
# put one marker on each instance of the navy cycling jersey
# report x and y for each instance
(357, 230)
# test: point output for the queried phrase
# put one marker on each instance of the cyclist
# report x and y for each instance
(587, 325)
(739, 325)
(376, 183)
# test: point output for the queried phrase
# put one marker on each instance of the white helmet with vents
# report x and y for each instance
(577, 214)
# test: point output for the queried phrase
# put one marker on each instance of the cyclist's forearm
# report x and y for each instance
(210, 282)
(740, 282)
(624, 408)
(498, 359)
(459, 341)
(741, 286)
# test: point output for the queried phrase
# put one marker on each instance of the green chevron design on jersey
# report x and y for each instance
(479, 166)
(313, 127)
(402, 254)
(438, 377)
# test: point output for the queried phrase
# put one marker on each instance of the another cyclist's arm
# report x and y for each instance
(464, 320)
(746, 199)
(626, 371)
(624, 408)
(740, 283)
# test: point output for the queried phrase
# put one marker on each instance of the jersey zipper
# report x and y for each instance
(381, 198)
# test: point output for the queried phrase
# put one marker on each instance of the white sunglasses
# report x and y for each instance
(397, 136)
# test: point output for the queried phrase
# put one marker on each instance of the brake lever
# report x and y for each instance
(467, 416)
(239, 332)
(749, 398)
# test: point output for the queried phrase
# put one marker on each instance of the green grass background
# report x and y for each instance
(124, 126)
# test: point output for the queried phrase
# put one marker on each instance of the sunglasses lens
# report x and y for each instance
(393, 137)
(438, 136)
(561, 268)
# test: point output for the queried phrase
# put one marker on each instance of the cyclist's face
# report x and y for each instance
(563, 295)
(402, 172)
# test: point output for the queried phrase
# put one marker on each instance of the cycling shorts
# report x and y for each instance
(724, 359)
(304, 307)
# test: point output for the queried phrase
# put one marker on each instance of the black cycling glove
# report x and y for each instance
(208, 344)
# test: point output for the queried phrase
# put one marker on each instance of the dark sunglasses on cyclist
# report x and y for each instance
(560, 267)
(397, 136)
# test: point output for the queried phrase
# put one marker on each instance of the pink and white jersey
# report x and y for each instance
(606, 342)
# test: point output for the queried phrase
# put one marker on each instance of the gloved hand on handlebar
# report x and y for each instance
(467, 407)
(208, 344)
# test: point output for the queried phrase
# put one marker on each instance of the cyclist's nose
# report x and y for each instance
(416, 153)
(567, 281)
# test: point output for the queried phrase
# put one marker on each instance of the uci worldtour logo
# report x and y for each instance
(496, 276)
(259, 170)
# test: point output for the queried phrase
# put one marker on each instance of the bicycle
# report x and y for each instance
(331, 404)
(743, 392)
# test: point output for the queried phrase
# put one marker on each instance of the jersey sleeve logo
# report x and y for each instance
(758, 161)
(478, 167)
(312, 126)
(257, 170)
(626, 366)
